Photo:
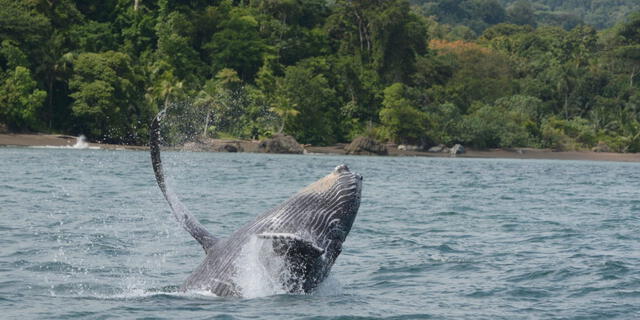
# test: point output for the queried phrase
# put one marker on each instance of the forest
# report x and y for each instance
(484, 73)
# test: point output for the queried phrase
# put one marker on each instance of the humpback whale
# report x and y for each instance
(306, 231)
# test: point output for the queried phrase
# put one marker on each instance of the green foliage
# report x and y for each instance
(400, 120)
(107, 101)
(11, 56)
(480, 75)
(480, 14)
(568, 134)
(445, 123)
(305, 89)
(20, 100)
(368, 29)
(487, 73)
(497, 126)
(475, 15)
(226, 106)
(238, 45)
(521, 13)
(175, 51)
(20, 21)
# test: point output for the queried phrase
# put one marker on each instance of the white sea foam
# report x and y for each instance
(142, 293)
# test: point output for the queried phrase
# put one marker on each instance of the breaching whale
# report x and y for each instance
(306, 231)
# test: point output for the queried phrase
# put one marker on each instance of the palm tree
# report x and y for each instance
(284, 109)
(206, 99)
(169, 87)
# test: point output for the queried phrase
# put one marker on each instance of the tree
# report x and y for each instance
(285, 109)
(383, 35)
(401, 121)
(495, 126)
(175, 50)
(20, 100)
(626, 48)
(20, 21)
(166, 89)
(238, 45)
(490, 11)
(480, 74)
(224, 102)
(107, 101)
(444, 123)
(521, 13)
(305, 88)
(629, 57)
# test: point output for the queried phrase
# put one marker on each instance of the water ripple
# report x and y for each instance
(87, 235)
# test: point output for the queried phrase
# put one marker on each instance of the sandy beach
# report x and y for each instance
(32, 140)
(55, 140)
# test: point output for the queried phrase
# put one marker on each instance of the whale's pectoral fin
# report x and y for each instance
(302, 257)
(291, 245)
(184, 217)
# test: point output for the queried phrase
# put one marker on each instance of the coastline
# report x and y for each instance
(54, 140)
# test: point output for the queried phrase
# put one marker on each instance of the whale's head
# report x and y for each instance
(309, 228)
(334, 201)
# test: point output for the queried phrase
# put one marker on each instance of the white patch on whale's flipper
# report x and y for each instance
(290, 241)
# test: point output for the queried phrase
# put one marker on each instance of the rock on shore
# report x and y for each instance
(280, 143)
(439, 148)
(216, 145)
(365, 146)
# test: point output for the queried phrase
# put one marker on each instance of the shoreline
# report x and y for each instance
(54, 140)
(519, 153)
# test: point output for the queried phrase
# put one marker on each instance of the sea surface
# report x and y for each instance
(86, 234)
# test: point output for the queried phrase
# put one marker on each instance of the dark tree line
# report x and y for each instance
(481, 72)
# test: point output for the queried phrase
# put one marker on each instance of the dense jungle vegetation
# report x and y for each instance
(484, 73)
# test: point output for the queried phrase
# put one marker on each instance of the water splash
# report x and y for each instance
(260, 270)
(331, 286)
(81, 143)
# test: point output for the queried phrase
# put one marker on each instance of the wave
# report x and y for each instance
(81, 143)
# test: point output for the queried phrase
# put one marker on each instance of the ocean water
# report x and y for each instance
(86, 234)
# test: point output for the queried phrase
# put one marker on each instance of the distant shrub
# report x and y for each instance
(495, 126)
(574, 134)
(444, 123)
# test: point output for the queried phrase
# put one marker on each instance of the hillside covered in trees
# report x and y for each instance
(477, 15)
(415, 72)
